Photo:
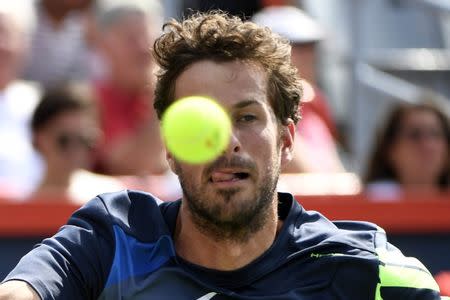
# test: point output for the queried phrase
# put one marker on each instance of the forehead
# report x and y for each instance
(421, 117)
(72, 114)
(73, 120)
(227, 82)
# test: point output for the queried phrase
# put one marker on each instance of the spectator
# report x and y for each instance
(59, 51)
(125, 31)
(411, 152)
(315, 149)
(65, 130)
(20, 167)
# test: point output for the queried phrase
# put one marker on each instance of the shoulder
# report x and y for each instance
(361, 250)
(315, 230)
(132, 212)
(121, 203)
(400, 275)
(136, 213)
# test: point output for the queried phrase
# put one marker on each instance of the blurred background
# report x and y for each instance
(77, 118)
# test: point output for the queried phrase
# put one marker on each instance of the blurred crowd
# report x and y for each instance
(76, 99)
(77, 117)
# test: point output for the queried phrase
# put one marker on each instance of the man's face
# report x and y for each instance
(66, 142)
(237, 189)
(126, 48)
(419, 153)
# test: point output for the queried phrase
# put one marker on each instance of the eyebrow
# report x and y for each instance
(246, 103)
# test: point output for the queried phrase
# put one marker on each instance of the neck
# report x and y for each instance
(52, 190)
(197, 246)
(54, 11)
(56, 179)
(422, 188)
(419, 184)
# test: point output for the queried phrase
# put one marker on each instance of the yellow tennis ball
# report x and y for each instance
(196, 129)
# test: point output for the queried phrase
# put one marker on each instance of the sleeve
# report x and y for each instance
(402, 277)
(75, 262)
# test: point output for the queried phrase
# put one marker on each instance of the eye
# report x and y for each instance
(247, 118)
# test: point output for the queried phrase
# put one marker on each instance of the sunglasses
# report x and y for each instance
(417, 134)
(67, 141)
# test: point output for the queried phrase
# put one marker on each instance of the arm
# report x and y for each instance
(17, 290)
(73, 264)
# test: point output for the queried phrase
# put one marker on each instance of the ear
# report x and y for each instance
(38, 141)
(171, 162)
(287, 142)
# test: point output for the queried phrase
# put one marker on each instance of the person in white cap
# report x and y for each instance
(317, 132)
(300, 29)
(20, 166)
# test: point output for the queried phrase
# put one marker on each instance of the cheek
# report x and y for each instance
(267, 154)
(442, 148)
(117, 52)
(87, 160)
(442, 152)
(400, 155)
(261, 144)
(47, 145)
(187, 172)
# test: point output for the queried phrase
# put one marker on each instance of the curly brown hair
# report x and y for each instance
(219, 37)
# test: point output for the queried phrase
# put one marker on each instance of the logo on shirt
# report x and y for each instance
(207, 296)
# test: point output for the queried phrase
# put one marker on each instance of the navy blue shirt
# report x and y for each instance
(120, 246)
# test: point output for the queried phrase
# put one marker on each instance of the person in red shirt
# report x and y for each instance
(316, 149)
(131, 145)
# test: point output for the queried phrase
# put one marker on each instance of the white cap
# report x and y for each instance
(21, 12)
(109, 11)
(290, 22)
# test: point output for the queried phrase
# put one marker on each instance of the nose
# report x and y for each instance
(235, 144)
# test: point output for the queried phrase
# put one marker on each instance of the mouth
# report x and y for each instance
(228, 177)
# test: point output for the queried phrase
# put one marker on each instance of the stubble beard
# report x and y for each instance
(244, 221)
